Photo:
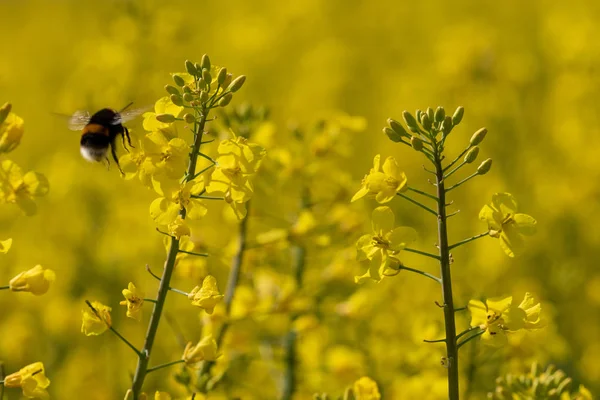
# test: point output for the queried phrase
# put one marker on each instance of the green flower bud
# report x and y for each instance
(447, 125)
(426, 122)
(171, 89)
(478, 136)
(202, 84)
(221, 76)
(392, 134)
(419, 115)
(225, 100)
(206, 76)
(397, 127)
(178, 80)
(237, 84)
(416, 143)
(166, 118)
(227, 81)
(190, 68)
(4, 111)
(410, 121)
(430, 113)
(458, 114)
(203, 96)
(189, 118)
(440, 114)
(188, 97)
(484, 167)
(472, 154)
(177, 100)
(205, 63)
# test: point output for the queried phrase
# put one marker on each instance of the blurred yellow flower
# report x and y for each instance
(162, 396)
(205, 349)
(5, 245)
(165, 210)
(525, 316)
(506, 224)
(21, 189)
(207, 296)
(366, 389)
(382, 185)
(179, 228)
(96, 321)
(31, 379)
(383, 245)
(35, 280)
(11, 132)
(134, 300)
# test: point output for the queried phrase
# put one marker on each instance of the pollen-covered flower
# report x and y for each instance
(383, 185)
(205, 349)
(179, 228)
(36, 280)
(366, 389)
(31, 379)
(506, 224)
(134, 300)
(383, 245)
(96, 321)
(207, 296)
(5, 245)
(19, 188)
(11, 131)
(165, 210)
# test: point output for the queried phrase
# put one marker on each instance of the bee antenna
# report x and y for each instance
(126, 107)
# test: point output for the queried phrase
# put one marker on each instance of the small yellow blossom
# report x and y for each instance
(31, 379)
(20, 189)
(205, 349)
(5, 245)
(179, 228)
(168, 156)
(506, 224)
(383, 245)
(207, 296)
(97, 321)
(36, 280)
(165, 210)
(137, 163)
(382, 185)
(366, 389)
(134, 300)
(163, 105)
(11, 132)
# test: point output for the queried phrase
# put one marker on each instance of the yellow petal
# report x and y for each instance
(526, 224)
(383, 220)
(5, 245)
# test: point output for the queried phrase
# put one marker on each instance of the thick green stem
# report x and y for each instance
(449, 318)
(163, 289)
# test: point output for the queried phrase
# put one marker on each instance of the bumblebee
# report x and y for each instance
(100, 130)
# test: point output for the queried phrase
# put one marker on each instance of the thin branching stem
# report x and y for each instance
(423, 206)
(473, 175)
(127, 342)
(468, 240)
(435, 341)
(418, 271)
(455, 169)
(164, 365)
(194, 253)
(467, 340)
(423, 253)
(432, 197)
(447, 167)
(471, 329)
(150, 300)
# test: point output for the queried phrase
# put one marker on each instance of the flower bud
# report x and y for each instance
(206, 76)
(392, 134)
(186, 89)
(221, 76)
(440, 114)
(4, 111)
(172, 89)
(484, 167)
(190, 68)
(11, 132)
(205, 63)
(36, 281)
(419, 115)
(410, 121)
(203, 96)
(458, 115)
(227, 81)
(225, 100)
(416, 143)
(478, 136)
(237, 84)
(178, 80)
(188, 97)
(447, 125)
(165, 118)
(189, 118)
(430, 113)
(472, 154)
(177, 100)
(397, 127)
(426, 122)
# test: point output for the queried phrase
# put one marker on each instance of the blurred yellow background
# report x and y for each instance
(528, 71)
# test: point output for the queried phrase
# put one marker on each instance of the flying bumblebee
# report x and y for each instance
(100, 130)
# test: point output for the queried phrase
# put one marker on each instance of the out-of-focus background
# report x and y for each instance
(528, 71)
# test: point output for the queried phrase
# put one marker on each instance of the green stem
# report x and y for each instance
(164, 365)
(418, 271)
(207, 197)
(432, 197)
(5, 287)
(444, 258)
(423, 253)
(2, 376)
(454, 170)
(435, 341)
(193, 253)
(468, 240)
(424, 207)
(127, 342)
(150, 300)
(456, 159)
(197, 174)
(473, 175)
(179, 291)
(471, 329)
(467, 340)
(163, 289)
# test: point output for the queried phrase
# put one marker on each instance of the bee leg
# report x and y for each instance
(128, 137)
(107, 164)
(114, 156)
(125, 147)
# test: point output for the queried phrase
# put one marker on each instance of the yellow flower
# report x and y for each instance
(31, 379)
(382, 185)
(205, 349)
(165, 210)
(134, 300)
(97, 321)
(5, 245)
(366, 389)
(137, 163)
(179, 228)
(21, 189)
(208, 296)
(383, 245)
(525, 316)
(163, 105)
(36, 280)
(506, 224)
(169, 156)
(11, 132)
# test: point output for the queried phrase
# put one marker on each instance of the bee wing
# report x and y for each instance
(79, 120)
(128, 115)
